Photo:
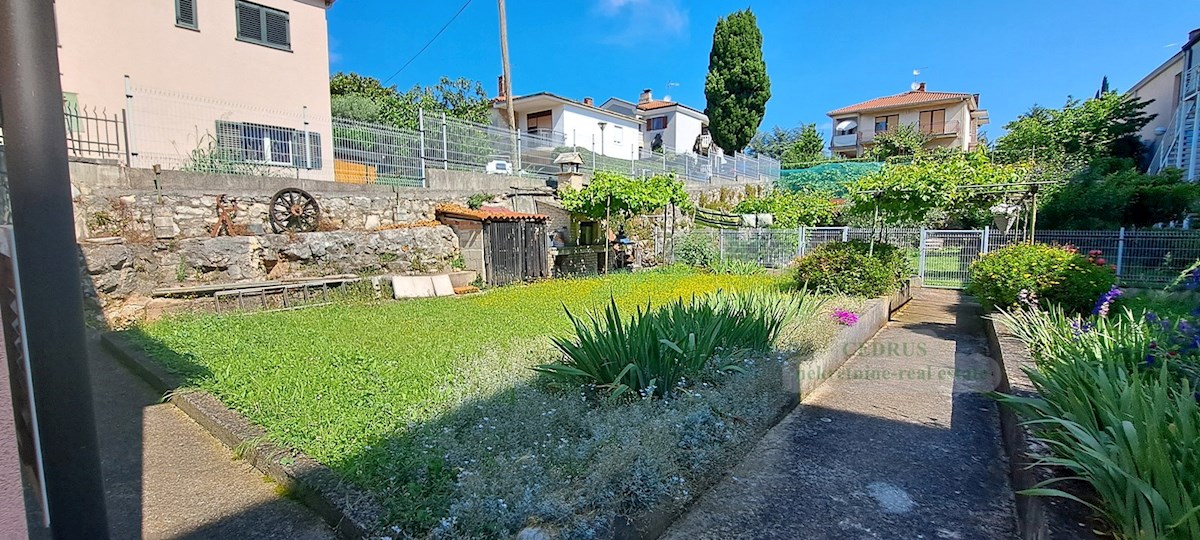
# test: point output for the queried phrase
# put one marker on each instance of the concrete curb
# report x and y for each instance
(1038, 518)
(822, 365)
(351, 512)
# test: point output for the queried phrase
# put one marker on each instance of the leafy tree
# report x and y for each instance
(623, 196)
(933, 185)
(1111, 193)
(737, 86)
(458, 98)
(903, 140)
(792, 208)
(1069, 138)
(355, 107)
(791, 146)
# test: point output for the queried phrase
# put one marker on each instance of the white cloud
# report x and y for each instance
(634, 21)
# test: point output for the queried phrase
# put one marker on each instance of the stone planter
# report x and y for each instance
(463, 278)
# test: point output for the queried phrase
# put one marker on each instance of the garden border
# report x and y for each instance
(1037, 517)
(351, 512)
(824, 362)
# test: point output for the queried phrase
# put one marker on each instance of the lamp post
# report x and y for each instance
(602, 126)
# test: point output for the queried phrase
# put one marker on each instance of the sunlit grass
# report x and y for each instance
(348, 383)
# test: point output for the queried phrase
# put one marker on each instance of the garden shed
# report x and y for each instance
(504, 246)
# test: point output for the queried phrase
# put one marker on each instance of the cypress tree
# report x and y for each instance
(737, 86)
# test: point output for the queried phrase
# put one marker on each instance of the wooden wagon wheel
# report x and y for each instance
(294, 210)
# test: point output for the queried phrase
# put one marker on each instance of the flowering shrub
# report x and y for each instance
(1010, 276)
(854, 268)
(844, 317)
(697, 249)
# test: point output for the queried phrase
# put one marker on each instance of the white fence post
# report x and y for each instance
(845, 234)
(1120, 251)
(800, 243)
(983, 240)
(921, 257)
(421, 143)
(445, 145)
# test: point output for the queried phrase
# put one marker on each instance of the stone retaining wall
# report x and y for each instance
(120, 277)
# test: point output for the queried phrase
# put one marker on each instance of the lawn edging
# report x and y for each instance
(351, 512)
(819, 367)
(1037, 517)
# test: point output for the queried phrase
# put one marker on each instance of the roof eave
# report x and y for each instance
(840, 112)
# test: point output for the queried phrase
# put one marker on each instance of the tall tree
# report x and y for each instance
(797, 145)
(1074, 135)
(737, 86)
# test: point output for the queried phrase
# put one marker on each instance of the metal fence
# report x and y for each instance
(1142, 257)
(186, 132)
(95, 133)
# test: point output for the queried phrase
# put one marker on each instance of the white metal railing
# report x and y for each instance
(1159, 161)
(1191, 81)
(185, 132)
(935, 129)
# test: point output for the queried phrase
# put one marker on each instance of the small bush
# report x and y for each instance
(697, 249)
(653, 352)
(854, 268)
(1054, 274)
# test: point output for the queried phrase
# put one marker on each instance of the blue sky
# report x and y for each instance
(820, 55)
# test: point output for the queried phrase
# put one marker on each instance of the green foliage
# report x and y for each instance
(903, 140)
(834, 177)
(210, 157)
(855, 268)
(460, 98)
(651, 353)
(624, 196)
(355, 107)
(803, 145)
(1067, 138)
(737, 86)
(1116, 412)
(1111, 193)
(1056, 275)
(697, 249)
(792, 208)
(736, 267)
(910, 193)
(475, 202)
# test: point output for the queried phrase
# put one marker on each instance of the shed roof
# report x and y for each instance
(486, 213)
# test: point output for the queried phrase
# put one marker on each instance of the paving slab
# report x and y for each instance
(165, 477)
(899, 443)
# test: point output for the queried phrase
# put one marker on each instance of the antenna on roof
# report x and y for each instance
(916, 85)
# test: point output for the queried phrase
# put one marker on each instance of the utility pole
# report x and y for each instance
(508, 93)
(46, 263)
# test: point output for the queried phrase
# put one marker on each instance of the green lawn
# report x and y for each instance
(398, 396)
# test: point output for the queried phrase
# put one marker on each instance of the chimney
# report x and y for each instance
(1194, 35)
(500, 93)
(588, 101)
(920, 87)
(646, 97)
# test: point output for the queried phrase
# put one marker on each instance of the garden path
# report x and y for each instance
(914, 455)
(165, 477)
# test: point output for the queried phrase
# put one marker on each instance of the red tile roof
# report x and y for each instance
(915, 97)
(486, 213)
(656, 104)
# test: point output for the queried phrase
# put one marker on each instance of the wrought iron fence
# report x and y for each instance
(1143, 257)
(95, 133)
(187, 132)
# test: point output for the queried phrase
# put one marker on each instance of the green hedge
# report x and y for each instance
(855, 268)
(1054, 274)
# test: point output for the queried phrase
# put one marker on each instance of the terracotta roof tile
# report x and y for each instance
(656, 104)
(486, 213)
(900, 100)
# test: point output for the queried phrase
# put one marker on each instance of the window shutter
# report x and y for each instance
(276, 24)
(249, 22)
(314, 145)
(229, 143)
(185, 13)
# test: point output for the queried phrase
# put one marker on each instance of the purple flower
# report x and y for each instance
(1149, 361)
(1105, 301)
(845, 317)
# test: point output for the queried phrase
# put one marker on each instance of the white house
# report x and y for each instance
(667, 123)
(553, 120)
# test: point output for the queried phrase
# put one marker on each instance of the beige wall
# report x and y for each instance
(101, 41)
(1162, 86)
(955, 112)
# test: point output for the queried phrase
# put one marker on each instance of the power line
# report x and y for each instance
(431, 40)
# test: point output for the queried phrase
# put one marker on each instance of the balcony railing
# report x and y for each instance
(1191, 80)
(935, 129)
(842, 141)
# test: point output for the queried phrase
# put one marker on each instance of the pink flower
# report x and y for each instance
(844, 317)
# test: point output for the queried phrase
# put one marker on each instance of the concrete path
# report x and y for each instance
(899, 443)
(165, 477)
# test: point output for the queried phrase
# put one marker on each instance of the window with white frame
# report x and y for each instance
(618, 135)
(269, 145)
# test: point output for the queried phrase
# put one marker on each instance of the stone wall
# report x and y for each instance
(120, 277)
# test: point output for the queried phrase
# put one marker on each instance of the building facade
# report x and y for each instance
(246, 80)
(1176, 131)
(949, 119)
(551, 120)
(668, 124)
